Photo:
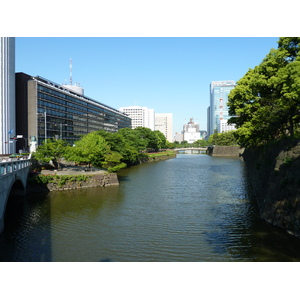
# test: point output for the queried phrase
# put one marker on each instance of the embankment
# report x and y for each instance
(273, 176)
(156, 157)
(229, 151)
(76, 177)
(47, 183)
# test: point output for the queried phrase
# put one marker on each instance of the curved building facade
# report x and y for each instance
(7, 95)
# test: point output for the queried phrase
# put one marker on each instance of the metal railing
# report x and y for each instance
(7, 167)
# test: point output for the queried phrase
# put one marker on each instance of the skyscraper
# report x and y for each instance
(7, 95)
(218, 110)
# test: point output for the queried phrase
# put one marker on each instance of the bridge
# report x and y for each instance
(192, 149)
(13, 179)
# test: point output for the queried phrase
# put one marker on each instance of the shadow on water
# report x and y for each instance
(27, 231)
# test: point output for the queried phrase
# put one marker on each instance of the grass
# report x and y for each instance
(164, 153)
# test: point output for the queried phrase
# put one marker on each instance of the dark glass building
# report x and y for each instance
(45, 109)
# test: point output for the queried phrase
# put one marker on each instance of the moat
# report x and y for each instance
(192, 208)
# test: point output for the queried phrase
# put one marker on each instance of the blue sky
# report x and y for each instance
(168, 74)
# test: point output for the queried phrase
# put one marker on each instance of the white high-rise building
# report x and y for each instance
(218, 110)
(140, 116)
(164, 123)
(7, 95)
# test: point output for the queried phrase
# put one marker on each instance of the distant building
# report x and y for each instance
(178, 137)
(164, 123)
(225, 127)
(48, 110)
(140, 116)
(7, 95)
(203, 134)
(218, 110)
(191, 132)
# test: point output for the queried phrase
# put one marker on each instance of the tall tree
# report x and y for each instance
(51, 150)
(90, 149)
(265, 103)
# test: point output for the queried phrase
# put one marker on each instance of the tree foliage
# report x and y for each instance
(112, 151)
(223, 139)
(265, 104)
(90, 149)
(51, 150)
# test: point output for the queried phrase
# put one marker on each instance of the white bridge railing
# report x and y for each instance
(7, 167)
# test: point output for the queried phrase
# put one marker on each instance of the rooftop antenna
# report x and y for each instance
(70, 71)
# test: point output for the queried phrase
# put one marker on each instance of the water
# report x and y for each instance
(191, 208)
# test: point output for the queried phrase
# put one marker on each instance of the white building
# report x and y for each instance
(164, 123)
(178, 137)
(140, 116)
(191, 132)
(7, 95)
(225, 127)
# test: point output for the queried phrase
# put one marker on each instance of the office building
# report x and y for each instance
(140, 116)
(164, 123)
(7, 95)
(48, 110)
(218, 110)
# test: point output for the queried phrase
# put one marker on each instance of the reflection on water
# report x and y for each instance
(190, 208)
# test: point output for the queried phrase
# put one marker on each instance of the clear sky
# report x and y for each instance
(168, 74)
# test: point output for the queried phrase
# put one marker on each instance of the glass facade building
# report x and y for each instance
(50, 110)
(218, 110)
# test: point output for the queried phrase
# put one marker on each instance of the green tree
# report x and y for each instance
(265, 103)
(200, 143)
(162, 141)
(150, 138)
(223, 139)
(119, 143)
(112, 162)
(51, 150)
(90, 149)
(134, 139)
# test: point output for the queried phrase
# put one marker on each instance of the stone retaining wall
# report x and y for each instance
(229, 151)
(273, 175)
(97, 180)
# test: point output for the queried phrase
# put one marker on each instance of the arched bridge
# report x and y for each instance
(13, 178)
(192, 149)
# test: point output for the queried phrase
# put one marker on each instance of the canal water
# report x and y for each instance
(193, 208)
